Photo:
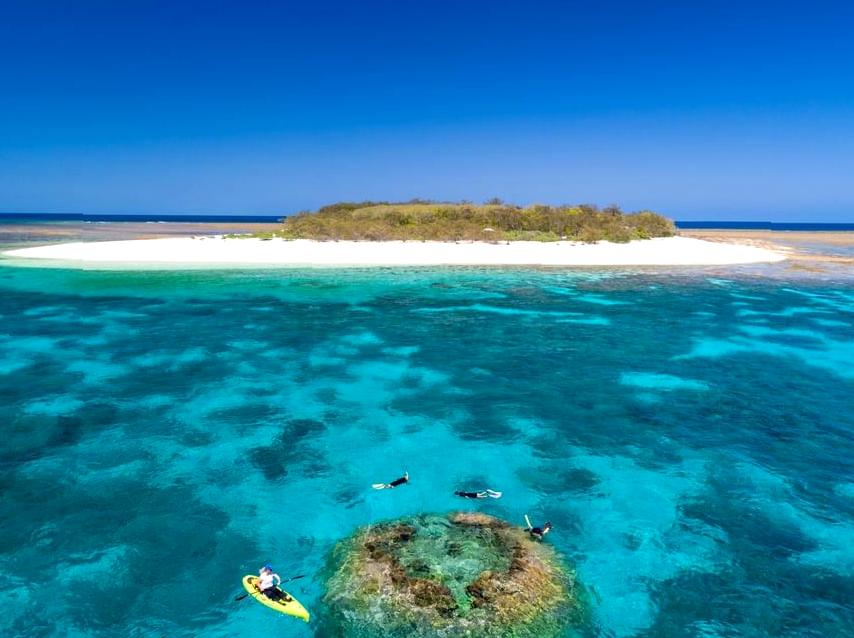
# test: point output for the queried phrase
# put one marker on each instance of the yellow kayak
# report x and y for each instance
(292, 608)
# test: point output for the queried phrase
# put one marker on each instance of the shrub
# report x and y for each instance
(429, 220)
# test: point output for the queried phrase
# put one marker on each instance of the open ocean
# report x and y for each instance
(690, 436)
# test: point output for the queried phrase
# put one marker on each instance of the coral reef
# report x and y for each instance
(454, 575)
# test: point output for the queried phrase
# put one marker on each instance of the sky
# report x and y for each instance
(699, 110)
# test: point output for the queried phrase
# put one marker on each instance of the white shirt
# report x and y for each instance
(265, 580)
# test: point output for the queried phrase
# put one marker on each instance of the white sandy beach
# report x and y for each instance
(668, 251)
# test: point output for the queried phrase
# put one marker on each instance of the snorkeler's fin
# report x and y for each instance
(379, 486)
(493, 494)
(528, 521)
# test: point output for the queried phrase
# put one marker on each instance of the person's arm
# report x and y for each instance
(278, 579)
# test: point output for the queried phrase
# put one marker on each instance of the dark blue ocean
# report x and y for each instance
(691, 438)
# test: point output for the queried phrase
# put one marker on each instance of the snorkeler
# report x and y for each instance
(400, 481)
(481, 494)
(537, 533)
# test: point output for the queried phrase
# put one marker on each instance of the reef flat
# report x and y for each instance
(448, 575)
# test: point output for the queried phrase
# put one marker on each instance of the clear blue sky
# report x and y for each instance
(701, 110)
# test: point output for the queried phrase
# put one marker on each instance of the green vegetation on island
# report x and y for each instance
(492, 221)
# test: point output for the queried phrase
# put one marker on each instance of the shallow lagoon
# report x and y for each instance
(691, 438)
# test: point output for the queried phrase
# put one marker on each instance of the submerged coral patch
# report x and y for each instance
(662, 382)
(455, 575)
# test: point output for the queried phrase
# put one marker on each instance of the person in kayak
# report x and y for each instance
(388, 486)
(537, 533)
(481, 494)
(267, 586)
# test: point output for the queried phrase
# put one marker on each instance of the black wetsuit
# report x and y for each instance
(539, 532)
(468, 494)
(399, 481)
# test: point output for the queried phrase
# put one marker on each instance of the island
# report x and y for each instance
(463, 221)
(420, 233)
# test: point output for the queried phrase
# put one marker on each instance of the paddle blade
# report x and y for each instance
(241, 597)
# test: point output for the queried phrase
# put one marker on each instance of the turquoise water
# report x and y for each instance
(691, 438)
